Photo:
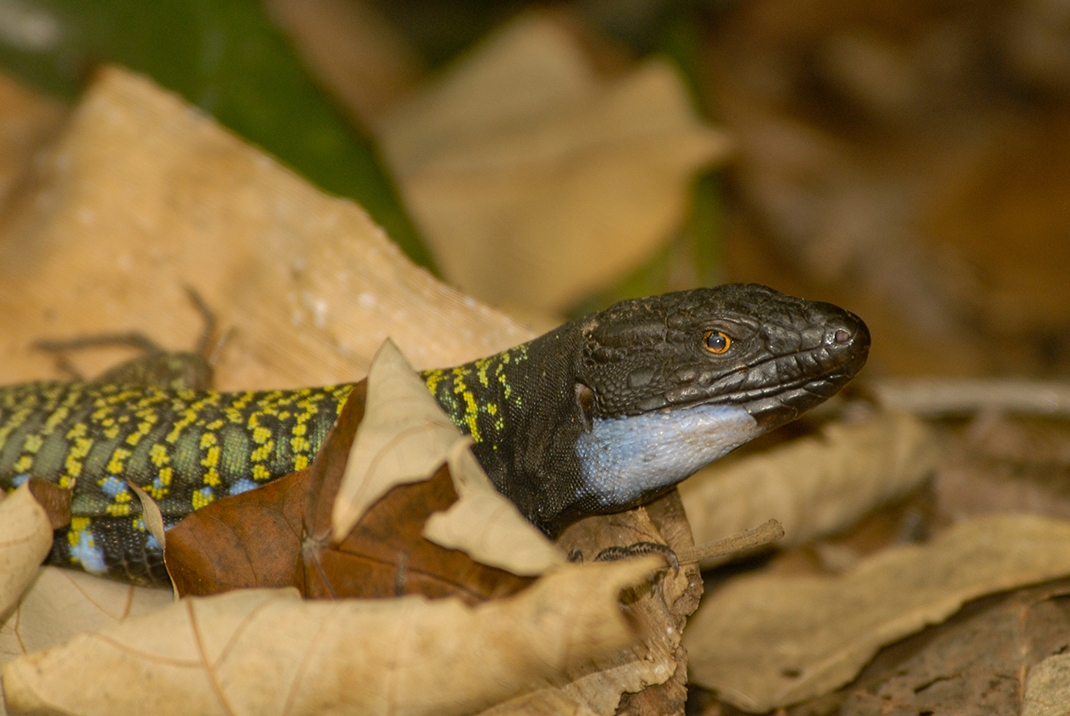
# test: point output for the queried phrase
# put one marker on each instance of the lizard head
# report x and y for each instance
(745, 345)
(665, 385)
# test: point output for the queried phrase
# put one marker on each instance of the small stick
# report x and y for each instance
(713, 553)
(939, 397)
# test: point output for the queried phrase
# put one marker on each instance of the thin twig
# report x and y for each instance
(935, 397)
(718, 551)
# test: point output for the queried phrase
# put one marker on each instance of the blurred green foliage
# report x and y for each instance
(225, 57)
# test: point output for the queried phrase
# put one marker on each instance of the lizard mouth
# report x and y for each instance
(806, 378)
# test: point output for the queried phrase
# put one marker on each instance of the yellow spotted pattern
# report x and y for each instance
(188, 448)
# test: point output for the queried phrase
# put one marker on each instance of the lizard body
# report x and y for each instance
(596, 416)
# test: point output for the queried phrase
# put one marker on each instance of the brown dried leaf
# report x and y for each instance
(25, 538)
(765, 641)
(143, 195)
(263, 651)
(521, 166)
(241, 542)
(813, 486)
(55, 500)
(279, 535)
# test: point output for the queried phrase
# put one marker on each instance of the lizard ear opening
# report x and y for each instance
(585, 401)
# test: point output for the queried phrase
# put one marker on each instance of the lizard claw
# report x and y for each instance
(636, 549)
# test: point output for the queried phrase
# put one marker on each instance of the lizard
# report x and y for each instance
(597, 416)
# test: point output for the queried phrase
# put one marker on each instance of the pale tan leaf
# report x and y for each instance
(143, 195)
(150, 513)
(544, 702)
(813, 486)
(486, 526)
(153, 518)
(1047, 689)
(404, 437)
(265, 651)
(25, 539)
(521, 166)
(61, 603)
(765, 641)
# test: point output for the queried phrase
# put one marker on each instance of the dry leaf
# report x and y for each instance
(486, 526)
(404, 437)
(61, 603)
(765, 641)
(1047, 692)
(279, 535)
(142, 195)
(544, 702)
(975, 664)
(650, 679)
(521, 166)
(261, 651)
(55, 500)
(813, 486)
(150, 513)
(25, 539)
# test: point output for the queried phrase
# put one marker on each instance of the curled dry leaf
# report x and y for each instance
(404, 437)
(765, 641)
(25, 538)
(264, 651)
(813, 486)
(650, 678)
(486, 526)
(150, 513)
(521, 166)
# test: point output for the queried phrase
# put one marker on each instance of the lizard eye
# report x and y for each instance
(718, 342)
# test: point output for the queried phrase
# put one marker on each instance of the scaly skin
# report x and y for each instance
(545, 417)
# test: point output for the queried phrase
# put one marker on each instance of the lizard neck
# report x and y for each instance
(519, 408)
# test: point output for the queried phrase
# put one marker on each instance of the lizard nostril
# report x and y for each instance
(841, 336)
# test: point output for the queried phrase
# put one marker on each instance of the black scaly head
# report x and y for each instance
(743, 344)
(618, 407)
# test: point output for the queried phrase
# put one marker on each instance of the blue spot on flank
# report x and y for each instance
(242, 485)
(113, 486)
(87, 554)
(206, 492)
(19, 479)
(152, 544)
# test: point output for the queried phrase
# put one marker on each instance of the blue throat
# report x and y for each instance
(625, 459)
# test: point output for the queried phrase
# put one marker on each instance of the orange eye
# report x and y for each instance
(718, 342)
